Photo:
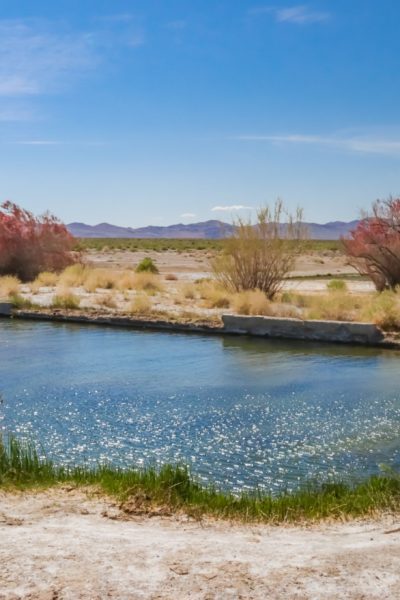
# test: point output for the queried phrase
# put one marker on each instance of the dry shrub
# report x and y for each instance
(147, 282)
(140, 305)
(74, 276)
(298, 300)
(252, 302)
(65, 300)
(189, 291)
(99, 278)
(214, 295)
(9, 285)
(126, 281)
(260, 255)
(46, 279)
(106, 300)
(384, 311)
(334, 307)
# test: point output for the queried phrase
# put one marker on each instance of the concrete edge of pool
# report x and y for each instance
(340, 332)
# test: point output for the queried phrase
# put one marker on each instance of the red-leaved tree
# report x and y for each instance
(29, 244)
(373, 247)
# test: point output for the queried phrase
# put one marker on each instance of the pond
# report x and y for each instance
(242, 413)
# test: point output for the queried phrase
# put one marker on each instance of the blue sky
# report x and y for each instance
(142, 112)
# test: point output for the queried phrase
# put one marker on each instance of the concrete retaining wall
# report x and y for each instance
(5, 309)
(324, 331)
(271, 327)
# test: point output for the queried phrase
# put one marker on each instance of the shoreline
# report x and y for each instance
(334, 332)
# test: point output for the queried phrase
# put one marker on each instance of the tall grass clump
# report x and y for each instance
(140, 305)
(188, 291)
(74, 275)
(172, 488)
(99, 278)
(147, 282)
(65, 300)
(214, 295)
(20, 302)
(45, 279)
(252, 302)
(9, 285)
(106, 300)
(384, 310)
(126, 281)
(336, 306)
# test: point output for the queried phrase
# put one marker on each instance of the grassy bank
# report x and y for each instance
(172, 488)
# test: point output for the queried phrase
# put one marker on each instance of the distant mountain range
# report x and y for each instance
(204, 230)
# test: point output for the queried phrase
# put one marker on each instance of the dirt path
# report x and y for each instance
(63, 545)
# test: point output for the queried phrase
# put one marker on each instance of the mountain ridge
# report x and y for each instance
(211, 229)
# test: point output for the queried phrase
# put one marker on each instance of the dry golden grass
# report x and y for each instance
(188, 291)
(74, 276)
(99, 279)
(135, 288)
(9, 286)
(46, 279)
(338, 305)
(106, 300)
(65, 300)
(214, 295)
(147, 282)
(92, 279)
(126, 280)
(140, 305)
(252, 302)
(384, 311)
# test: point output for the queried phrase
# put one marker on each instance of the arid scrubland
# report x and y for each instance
(184, 296)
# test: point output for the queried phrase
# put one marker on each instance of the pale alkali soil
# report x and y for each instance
(63, 545)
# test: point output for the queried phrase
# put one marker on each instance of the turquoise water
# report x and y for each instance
(242, 412)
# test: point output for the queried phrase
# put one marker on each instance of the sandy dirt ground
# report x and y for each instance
(197, 262)
(64, 545)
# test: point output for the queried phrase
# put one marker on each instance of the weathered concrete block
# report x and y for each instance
(5, 309)
(297, 329)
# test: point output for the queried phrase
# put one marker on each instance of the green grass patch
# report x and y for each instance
(20, 302)
(147, 244)
(66, 301)
(188, 244)
(171, 486)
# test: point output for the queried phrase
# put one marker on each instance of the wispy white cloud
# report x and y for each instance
(43, 142)
(360, 144)
(38, 143)
(300, 14)
(34, 58)
(187, 215)
(39, 56)
(232, 207)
